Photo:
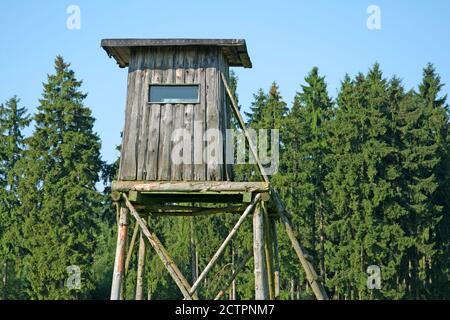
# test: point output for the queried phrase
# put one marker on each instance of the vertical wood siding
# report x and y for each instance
(147, 137)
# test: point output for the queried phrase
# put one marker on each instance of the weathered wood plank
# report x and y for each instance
(225, 117)
(137, 105)
(190, 77)
(119, 261)
(261, 287)
(189, 187)
(221, 118)
(213, 140)
(140, 268)
(199, 121)
(166, 124)
(189, 213)
(128, 161)
(146, 71)
(124, 133)
(177, 157)
(268, 250)
(154, 120)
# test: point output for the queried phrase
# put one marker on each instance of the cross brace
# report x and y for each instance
(188, 292)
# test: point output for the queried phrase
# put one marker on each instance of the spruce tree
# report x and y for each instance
(57, 189)
(13, 119)
(255, 114)
(438, 271)
(360, 230)
(423, 122)
(305, 166)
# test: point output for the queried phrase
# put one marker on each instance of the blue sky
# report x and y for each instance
(285, 40)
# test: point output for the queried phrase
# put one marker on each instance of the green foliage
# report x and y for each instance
(59, 200)
(304, 168)
(13, 119)
(362, 188)
(366, 178)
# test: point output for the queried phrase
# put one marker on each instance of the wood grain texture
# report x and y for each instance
(129, 147)
(261, 283)
(145, 66)
(149, 132)
(192, 186)
(154, 119)
(213, 142)
(178, 119)
(190, 77)
(199, 120)
(166, 124)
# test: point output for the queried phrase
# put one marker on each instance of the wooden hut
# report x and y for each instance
(175, 92)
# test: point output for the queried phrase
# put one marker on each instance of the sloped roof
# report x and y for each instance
(235, 50)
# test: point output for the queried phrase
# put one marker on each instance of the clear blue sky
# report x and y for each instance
(285, 40)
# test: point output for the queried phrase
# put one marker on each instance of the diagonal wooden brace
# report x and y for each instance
(240, 266)
(225, 243)
(311, 275)
(131, 248)
(168, 262)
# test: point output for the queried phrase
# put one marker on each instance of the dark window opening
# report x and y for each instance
(173, 93)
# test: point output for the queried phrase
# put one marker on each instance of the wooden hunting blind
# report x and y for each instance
(175, 84)
(181, 86)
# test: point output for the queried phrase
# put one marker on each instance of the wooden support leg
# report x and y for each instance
(123, 288)
(168, 262)
(276, 274)
(233, 262)
(131, 248)
(268, 250)
(222, 247)
(119, 262)
(316, 286)
(140, 269)
(194, 253)
(311, 275)
(261, 288)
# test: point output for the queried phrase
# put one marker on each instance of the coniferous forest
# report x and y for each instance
(366, 176)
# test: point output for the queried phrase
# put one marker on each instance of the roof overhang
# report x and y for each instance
(235, 50)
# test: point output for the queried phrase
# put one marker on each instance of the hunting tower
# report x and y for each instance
(175, 159)
(176, 84)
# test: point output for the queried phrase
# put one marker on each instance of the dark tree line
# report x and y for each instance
(366, 177)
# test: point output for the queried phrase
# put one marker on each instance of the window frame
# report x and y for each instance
(174, 101)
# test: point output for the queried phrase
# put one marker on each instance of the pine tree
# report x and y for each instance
(274, 111)
(360, 231)
(255, 114)
(424, 133)
(304, 162)
(57, 189)
(438, 271)
(13, 119)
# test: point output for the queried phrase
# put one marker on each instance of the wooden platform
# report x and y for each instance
(189, 198)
